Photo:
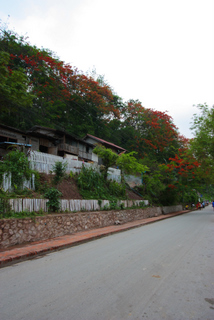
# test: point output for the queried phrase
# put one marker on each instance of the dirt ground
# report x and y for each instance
(69, 189)
(132, 195)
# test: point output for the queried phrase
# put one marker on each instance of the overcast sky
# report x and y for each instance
(160, 52)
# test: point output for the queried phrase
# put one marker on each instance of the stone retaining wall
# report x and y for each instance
(19, 231)
(170, 209)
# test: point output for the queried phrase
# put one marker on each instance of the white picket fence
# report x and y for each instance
(19, 205)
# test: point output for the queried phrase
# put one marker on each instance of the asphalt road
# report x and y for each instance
(164, 270)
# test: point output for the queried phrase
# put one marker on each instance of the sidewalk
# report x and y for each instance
(18, 253)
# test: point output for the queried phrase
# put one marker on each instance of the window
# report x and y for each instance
(43, 149)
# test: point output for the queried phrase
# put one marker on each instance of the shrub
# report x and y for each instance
(122, 206)
(59, 169)
(99, 202)
(113, 205)
(5, 208)
(53, 196)
(93, 185)
(18, 165)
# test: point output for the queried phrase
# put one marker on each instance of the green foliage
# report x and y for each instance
(126, 161)
(122, 206)
(154, 182)
(154, 132)
(19, 193)
(22, 214)
(189, 196)
(113, 205)
(154, 186)
(202, 146)
(142, 204)
(59, 169)
(17, 164)
(106, 207)
(60, 95)
(37, 88)
(169, 197)
(92, 185)
(71, 174)
(129, 164)
(53, 196)
(14, 91)
(109, 158)
(38, 185)
(116, 189)
(99, 202)
(5, 208)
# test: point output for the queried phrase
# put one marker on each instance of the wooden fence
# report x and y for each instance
(7, 185)
(19, 205)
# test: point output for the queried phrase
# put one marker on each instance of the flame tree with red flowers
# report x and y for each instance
(183, 176)
(62, 96)
(156, 136)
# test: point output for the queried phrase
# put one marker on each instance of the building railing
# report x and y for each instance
(68, 148)
(85, 155)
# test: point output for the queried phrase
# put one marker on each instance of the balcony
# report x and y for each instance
(74, 150)
(68, 148)
(85, 155)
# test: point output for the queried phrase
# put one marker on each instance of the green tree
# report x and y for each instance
(64, 97)
(109, 158)
(129, 164)
(155, 137)
(59, 169)
(126, 162)
(203, 129)
(202, 145)
(14, 93)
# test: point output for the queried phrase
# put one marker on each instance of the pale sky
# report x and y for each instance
(160, 52)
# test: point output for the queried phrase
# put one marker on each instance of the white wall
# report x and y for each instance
(44, 162)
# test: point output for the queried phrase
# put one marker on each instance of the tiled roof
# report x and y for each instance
(105, 142)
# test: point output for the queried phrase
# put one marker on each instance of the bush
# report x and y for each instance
(92, 185)
(169, 197)
(53, 196)
(59, 169)
(5, 208)
(18, 165)
(116, 189)
(113, 205)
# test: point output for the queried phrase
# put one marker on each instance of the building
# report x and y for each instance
(11, 137)
(97, 141)
(53, 142)
(61, 143)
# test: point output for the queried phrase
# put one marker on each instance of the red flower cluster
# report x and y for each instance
(184, 164)
(60, 81)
